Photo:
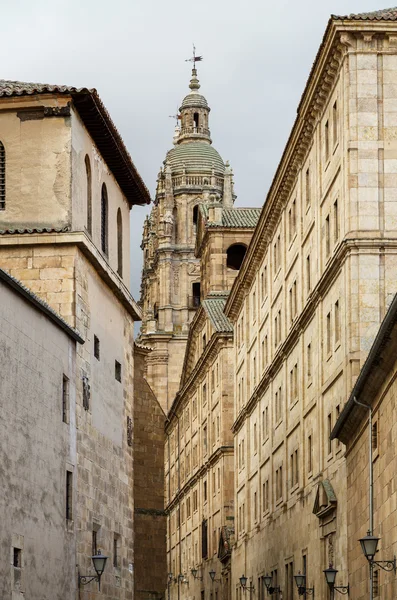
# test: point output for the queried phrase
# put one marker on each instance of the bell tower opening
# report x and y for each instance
(196, 120)
(235, 256)
(196, 294)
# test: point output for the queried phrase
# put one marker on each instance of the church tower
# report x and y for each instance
(193, 174)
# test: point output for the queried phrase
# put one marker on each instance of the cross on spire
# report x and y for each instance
(176, 116)
(194, 58)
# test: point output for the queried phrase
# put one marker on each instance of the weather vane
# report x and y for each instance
(176, 116)
(194, 58)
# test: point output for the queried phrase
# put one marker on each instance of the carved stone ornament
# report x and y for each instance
(193, 269)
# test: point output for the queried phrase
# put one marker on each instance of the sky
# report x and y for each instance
(257, 57)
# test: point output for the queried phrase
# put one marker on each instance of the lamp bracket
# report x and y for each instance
(248, 588)
(273, 590)
(84, 579)
(386, 565)
(341, 589)
(304, 591)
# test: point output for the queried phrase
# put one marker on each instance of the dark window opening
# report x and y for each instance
(196, 120)
(69, 491)
(96, 347)
(94, 542)
(17, 558)
(204, 539)
(115, 551)
(117, 370)
(119, 243)
(89, 194)
(104, 219)
(65, 399)
(235, 256)
(196, 294)
(195, 216)
(156, 310)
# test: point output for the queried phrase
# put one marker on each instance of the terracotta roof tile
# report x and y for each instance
(214, 309)
(386, 14)
(19, 231)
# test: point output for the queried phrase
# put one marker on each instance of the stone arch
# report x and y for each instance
(235, 256)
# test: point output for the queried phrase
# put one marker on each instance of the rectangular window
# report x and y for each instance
(205, 491)
(336, 221)
(308, 275)
(265, 496)
(94, 540)
(309, 454)
(65, 399)
(255, 439)
(327, 237)
(337, 322)
(115, 550)
(326, 140)
(307, 180)
(204, 539)
(195, 500)
(329, 433)
(96, 348)
(375, 436)
(204, 341)
(309, 361)
(337, 413)
(117, 370)
(17, 558)
(255, 507)
(204, 393)
(69, 495)
(253, 306)
(335, 121)
(328, 333)
(205, 439)
(254, 372)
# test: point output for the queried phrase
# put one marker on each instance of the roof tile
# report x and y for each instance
(214, 309)
(386, 14)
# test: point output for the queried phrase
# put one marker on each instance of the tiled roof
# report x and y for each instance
(195, 157)
(214, 309)
(34, 230)
(387, 14)
(40, 304)
(100, 126)
(235, 217)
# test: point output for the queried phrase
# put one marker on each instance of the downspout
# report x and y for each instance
(371, 490)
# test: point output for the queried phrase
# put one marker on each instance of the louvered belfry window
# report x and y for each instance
(2, 177)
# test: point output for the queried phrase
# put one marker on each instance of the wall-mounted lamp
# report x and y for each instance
(182, 578)
(330, 577)
(268, 579)
(212, 575)
(243, 583)
(170, 577)
(369, 546)
(99, 562)
(195, 576)
(300, 581)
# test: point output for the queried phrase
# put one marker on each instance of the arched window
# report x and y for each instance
(89, 193)
(119, 243)
(2, 177)
(196, 294)
(195, 217)
(235, 255)
(196, 120)
(104, 219)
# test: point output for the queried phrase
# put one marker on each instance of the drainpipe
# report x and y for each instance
(371, 490)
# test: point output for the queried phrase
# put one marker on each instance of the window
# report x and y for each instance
(255, 439)
(335, 121)
(205, 439)
(204, 393)
(337, 322)
(195, 217)
(327, 237)
(204, 539)
(235, 256)
(195, 500)
(278, 405)
(104, 220)
(2, 177)
(94, 543)
(326, 140)
(205, 491)
(253, 306)
(328, 333)
(69, 493)
(307, 181)
(96, 348)
(329, 420)
(117, 370)
(119, 243)
(65, 399)
(309, 361)
(336, 221)
(308, 275)
(89, 193)
(17, 558)
(188, 509)
(116, 541)
(279, 483)
(265, 496)
(196, 120)
(219, 478)
(375, 436)
(255, 507)
(292, 221)
(309, 454)
(337, 413)
(196, 294)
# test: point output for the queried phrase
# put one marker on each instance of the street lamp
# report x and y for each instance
(330, 577)
(212, 575)
(195, 576)
(268, 579)
(243, 583)
(300, 581)
(369, 546)
(99, 562)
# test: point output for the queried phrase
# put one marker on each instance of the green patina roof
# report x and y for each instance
(213, 306)
(194, 100)
(197, 157)
(386, 14)
(235, 217)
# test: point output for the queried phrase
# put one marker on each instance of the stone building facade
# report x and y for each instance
(376, 388)
(37, 447)
(67, 186)
(315, 283)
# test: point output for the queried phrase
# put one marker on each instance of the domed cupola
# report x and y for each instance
(193, 156)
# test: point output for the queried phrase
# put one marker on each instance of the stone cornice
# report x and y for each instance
(213, 459)
(346, 248)
(82, 241)
(318, 89)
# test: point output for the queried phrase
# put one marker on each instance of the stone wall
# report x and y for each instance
(150, 521)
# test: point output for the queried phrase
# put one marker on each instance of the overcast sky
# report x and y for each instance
(257, 57)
